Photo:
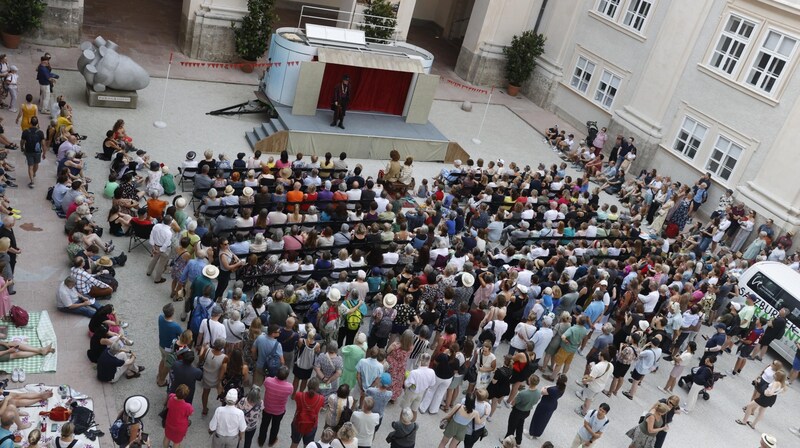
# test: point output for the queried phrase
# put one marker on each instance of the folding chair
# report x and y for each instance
(140, 236)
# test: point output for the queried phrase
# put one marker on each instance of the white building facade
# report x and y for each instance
(703, 86)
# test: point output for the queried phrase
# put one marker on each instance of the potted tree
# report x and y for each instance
(521, 59)
(252, 36)
(18, 17)
(380, 20)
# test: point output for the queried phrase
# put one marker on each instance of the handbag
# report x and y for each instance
(472, 373)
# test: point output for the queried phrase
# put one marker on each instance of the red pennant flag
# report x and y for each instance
(203, 64)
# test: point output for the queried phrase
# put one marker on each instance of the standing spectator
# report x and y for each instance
(594, 425)
(351, 355)
(183, 372)
(46, 79)
(457, 421)
(211, 359)
(446, 365)
(366, 423)
(369, 371)
(547, 406)
(289, 339)
(680, 364)
(338, 407)
(328, 369)
(645, 363)
(168, 332)
(11, 83)
(594, 382)
(476, 431)
(251, 406)
(487, 363)
(404, 434)
(381, 395)
(306, 417)
(134, 409)
(210, 328)
(570, 341)
(644, 434)
(276, 394)
(228, 424)
(161, 242)
(234, 373)
(31, 143)
(523, 403)
(774, 329)
(268, 354)
(397, 357)
(308, 350)
(346, 437)
(764, 401)
(417, 383)
(178, 412)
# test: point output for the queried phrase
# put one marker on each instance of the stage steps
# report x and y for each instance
(266, 129)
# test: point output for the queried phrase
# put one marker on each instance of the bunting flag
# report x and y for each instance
(466, 87)
(228, 66)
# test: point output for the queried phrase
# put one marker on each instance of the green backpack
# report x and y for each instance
(354, 319)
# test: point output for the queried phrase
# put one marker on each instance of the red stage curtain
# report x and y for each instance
(373, 90)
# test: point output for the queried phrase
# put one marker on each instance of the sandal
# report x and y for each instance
(751, 425)
(133, 375)
(740, 422)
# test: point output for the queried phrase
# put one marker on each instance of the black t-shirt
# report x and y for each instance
(444, 367)
(777, 329)
(33, 137)
(107, 366)
(108, 148)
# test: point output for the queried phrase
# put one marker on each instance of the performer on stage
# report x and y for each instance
(341, 98)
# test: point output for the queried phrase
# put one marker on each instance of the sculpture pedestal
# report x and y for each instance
(120, 99)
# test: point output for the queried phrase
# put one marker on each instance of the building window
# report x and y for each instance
(724, 157)
(608, 8)
(637, 13)
(582, 75)
(771, 61)
(731, 44)
(690, 137)
(607, 89)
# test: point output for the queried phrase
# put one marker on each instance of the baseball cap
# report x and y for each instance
(719, 326)
(386, 379)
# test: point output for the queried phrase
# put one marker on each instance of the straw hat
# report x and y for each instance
(180, 203)
(136, 406)
(247, 192)
(105, 262)
(389, 300)
(228, 190)
(191, 155)
(211, 271)
(334, 295)
(285, 172)
(467, 279)
(165, 169)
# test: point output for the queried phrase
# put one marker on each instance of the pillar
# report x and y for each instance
(61, 24)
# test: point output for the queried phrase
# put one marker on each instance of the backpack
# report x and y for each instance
(273, 361)
(198, 315)
(344, 417)
(18, 316)
(330, 320)
(235, 382)
(384, 327)
(311, 314)
(488, 334)
(83, 419)
(119, 432)
(354, 319)
(264, 317)
(49, 195)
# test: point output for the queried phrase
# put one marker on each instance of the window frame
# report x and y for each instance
(635, 13)
(604, 92)
(583, 71)
(690, 136)
(773, 55)
(603, 11)
(725, 155)
(723, 32)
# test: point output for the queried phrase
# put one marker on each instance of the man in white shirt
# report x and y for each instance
(382, 201)
(353, 194)
(417, 383)
(211, 329)
(552, 214)
(391, 257)
(499, 326)
(191, 164)
(595, 382)
(651, 299)
(313, 179)
(591, 230)
(365, 421)
(277, 216)
(594, 424)
(161, 241)
(69, 300)
(228, 424)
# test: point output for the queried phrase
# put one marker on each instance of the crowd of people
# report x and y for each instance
(312, 281)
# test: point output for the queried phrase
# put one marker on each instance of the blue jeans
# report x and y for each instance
(87, 311)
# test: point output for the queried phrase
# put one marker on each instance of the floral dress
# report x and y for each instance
(328, 366)
(251, 413)
(681, 215)
(397, 369)
(179, 262)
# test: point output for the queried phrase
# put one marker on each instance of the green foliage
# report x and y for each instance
(385, 17)
(521, 56)
(252, 36)
(21, 16)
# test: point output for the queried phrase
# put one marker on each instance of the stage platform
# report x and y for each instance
(367, 136)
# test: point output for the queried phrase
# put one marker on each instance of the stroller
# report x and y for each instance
(686, 382)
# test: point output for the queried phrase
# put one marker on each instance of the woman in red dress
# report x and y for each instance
(178, 413)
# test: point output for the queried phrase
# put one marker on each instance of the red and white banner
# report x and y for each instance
(468, 88)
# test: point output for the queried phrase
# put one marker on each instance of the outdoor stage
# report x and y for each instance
(366, 136)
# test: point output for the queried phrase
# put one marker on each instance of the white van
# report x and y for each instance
(776, 286)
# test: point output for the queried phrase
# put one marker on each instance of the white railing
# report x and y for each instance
(353, 20)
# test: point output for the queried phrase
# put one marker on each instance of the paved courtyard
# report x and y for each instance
(510, 133)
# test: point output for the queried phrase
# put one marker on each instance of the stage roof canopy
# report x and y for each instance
(369, 60)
